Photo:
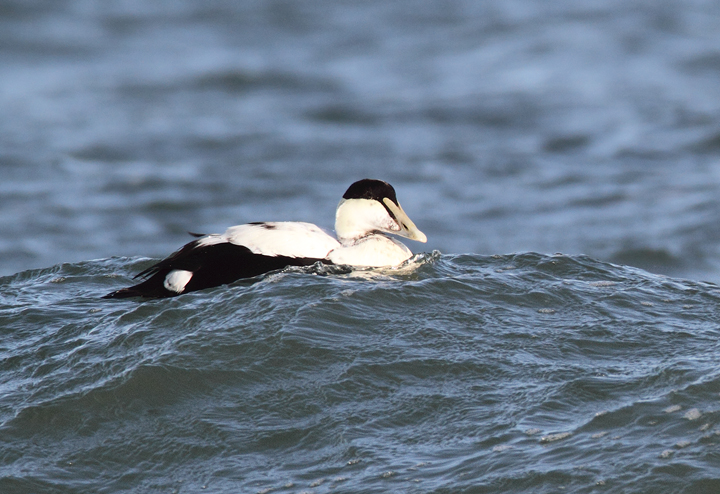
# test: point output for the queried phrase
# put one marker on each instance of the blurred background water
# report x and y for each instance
(583, 127)
(576, 127)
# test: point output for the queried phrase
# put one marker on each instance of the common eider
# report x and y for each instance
(368, 209)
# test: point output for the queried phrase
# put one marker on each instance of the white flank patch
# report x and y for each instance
(177, 279)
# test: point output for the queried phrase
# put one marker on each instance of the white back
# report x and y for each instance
(281, 238)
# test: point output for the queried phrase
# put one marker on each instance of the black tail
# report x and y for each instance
(150, 288)
(123, 293)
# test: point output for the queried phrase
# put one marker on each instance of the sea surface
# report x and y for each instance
(558, 332)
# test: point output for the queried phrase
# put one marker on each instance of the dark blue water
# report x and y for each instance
(512, 131)
(519, 373)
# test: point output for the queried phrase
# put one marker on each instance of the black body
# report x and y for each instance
(211, 265)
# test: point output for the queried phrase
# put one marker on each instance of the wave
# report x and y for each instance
(464, 373)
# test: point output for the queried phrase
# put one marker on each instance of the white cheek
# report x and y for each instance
(357, 217)
(177, 279)
(391, 225)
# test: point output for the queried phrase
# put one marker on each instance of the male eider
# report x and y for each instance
(368, 208)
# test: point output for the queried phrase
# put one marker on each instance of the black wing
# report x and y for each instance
(210, 265)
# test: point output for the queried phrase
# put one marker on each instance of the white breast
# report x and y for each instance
(372, 251)
(282, 238)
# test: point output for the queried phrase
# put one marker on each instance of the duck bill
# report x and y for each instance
(406, 227)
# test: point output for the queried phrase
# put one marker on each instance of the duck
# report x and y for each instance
(366, 216)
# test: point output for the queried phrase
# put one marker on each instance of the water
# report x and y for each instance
(512, 131)
(467, 373)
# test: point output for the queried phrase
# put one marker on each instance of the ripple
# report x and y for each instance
(452, 370)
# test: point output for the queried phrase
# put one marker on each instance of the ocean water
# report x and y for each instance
(460, 373)
(557, 333)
